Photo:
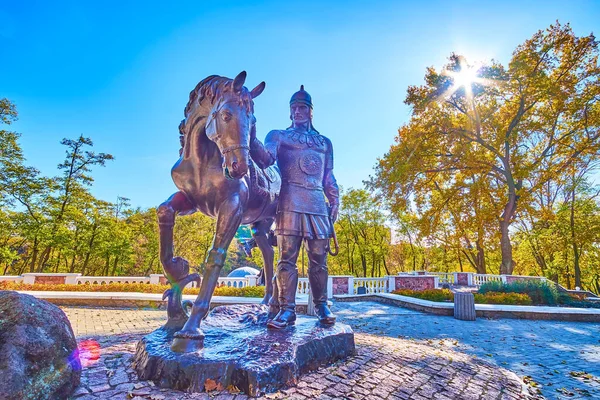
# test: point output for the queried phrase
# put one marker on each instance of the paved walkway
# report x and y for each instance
(561, 358)
(402, 354)
(384, 368)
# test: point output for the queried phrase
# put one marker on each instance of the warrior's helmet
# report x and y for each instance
(301, 96)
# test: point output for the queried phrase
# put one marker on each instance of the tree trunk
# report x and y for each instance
(387, 271)
(373, 264)
(363, 260)
(44, 258)
(34, 255)
(72, 266)
(576, 266)
(106, 265)
(480, 258)
(58, 261)
(115, 263)
(90, 247)
(567, 272)
(507, 266)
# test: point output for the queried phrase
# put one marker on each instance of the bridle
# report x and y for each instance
(212, 120)
(235, 147)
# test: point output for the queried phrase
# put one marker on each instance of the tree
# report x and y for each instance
(363, 237)
(515, 127)
(72, 184)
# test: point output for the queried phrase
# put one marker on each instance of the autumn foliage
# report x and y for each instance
(495, 173)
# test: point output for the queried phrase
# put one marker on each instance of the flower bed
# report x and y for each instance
(442, 295)
(541, 293)
(520, 299)
(429, 294)
(250, 291)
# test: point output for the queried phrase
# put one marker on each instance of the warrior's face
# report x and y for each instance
(300, 113)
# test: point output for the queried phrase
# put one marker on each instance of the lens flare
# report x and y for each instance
(89, 352)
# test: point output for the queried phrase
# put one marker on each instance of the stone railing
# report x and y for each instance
(445, 277)
(480, 279)
(371, 285)
(103, 280)
(303, 286)
(336, 285)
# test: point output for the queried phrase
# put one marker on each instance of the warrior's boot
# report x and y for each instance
(274, 306)
(287, 282)
(317, 276)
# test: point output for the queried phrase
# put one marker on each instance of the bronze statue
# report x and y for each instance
(305, 160)
(215, 176)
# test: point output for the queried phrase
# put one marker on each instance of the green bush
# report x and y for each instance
(540, 292)
(429, 294)
(250, 291)
(502, 298)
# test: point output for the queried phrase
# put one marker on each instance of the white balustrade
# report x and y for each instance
(371, 285)
(104, 280)
(303, 286)
(480, 279)
(444, 277)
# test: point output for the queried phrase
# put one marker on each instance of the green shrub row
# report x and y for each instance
(429, 294)
(250, 291)
(520, 299)
(540, 292)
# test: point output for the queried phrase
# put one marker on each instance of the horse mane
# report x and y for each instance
(210, 88)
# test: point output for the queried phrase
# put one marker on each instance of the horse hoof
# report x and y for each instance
(188, 341)
(277, 324)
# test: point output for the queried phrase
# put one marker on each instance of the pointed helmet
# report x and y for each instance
(301, 96)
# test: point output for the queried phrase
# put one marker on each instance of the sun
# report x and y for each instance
(466, 77)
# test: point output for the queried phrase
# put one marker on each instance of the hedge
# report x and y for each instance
(442, 295)
(250, 291)
(502, 298)
(429, 294)
(540, 292)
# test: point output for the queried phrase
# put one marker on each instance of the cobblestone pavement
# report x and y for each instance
(384, 368)
(561, 358)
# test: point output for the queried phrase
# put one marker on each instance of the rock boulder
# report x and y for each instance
(38, 350)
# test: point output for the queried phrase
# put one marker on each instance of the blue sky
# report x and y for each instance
(121, 72)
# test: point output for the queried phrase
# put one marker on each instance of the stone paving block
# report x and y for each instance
(385, 367)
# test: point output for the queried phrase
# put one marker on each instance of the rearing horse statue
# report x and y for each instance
(212, 177)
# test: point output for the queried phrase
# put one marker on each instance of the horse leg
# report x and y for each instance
(176, 268)
(191, 338)
(260, 232)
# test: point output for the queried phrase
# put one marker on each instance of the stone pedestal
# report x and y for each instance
(240, 352)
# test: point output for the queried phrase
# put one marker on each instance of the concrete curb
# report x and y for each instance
(140, 300)
(483, 310)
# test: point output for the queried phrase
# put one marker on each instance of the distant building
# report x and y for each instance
(242, 272)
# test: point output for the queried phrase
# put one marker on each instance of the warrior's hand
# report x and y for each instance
(333, 213)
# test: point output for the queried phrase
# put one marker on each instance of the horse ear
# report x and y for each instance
(258, 90)
(238, 82)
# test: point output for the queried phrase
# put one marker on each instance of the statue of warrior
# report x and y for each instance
(305, 160)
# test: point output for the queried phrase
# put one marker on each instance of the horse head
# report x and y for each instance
(228, 125)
